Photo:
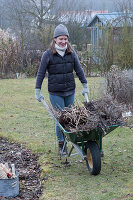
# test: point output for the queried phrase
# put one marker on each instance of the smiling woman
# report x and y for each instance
(60, 61)
(61, 44)
(61, 41)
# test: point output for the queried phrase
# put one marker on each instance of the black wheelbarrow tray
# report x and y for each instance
(87, 144)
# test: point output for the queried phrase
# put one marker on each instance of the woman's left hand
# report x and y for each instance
(85, 89)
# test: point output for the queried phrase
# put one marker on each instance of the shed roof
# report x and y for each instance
(114, 19)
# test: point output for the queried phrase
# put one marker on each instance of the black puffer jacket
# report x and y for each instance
(60, 72)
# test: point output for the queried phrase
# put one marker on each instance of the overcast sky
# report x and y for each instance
(98, 4)
(89, 4)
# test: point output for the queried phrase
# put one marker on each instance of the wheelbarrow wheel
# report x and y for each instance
(93, 158)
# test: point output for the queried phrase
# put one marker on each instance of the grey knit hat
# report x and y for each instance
(60, 30)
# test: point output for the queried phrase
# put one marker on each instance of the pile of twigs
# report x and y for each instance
(103, 112)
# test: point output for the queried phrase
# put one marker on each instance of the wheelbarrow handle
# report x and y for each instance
(47, 107)
(86, 98)
(50, 112)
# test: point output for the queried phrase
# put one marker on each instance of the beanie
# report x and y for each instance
(60, 30)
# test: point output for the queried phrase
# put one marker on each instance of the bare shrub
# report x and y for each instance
(31, 62)
(120, 85)
(10, 52)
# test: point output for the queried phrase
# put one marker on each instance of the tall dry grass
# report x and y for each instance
(10, 54)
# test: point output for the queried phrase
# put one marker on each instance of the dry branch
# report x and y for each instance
(90, 116)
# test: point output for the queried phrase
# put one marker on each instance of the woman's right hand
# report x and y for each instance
(38, 95)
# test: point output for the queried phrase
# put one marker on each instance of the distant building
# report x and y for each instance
(100, 21)
(79, 16)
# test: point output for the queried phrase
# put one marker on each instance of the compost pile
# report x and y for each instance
(99, 113)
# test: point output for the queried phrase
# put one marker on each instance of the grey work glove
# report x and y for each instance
(38, 95)
(85, 89)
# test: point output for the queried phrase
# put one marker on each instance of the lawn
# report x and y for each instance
(25, 120)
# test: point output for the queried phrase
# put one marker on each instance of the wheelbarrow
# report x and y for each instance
(87, 144)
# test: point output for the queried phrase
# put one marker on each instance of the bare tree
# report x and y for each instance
(43, 19)
(19, 22)
(40, 10)
(124, 5)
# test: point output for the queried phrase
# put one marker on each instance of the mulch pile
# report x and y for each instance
(26, 163)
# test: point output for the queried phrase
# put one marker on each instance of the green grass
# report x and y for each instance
(26, 121)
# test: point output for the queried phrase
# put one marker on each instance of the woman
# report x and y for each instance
(60, 61)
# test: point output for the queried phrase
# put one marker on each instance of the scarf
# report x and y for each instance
(60, 50)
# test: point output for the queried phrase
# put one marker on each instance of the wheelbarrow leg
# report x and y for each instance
(70, 151)
(79, 151)
(101, 150)
(99, 142)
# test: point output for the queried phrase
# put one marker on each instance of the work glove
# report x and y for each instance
(38, 95)
(85, 89)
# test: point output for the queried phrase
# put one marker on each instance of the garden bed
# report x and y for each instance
(26, 164)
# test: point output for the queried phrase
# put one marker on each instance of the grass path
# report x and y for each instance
(24, 120)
